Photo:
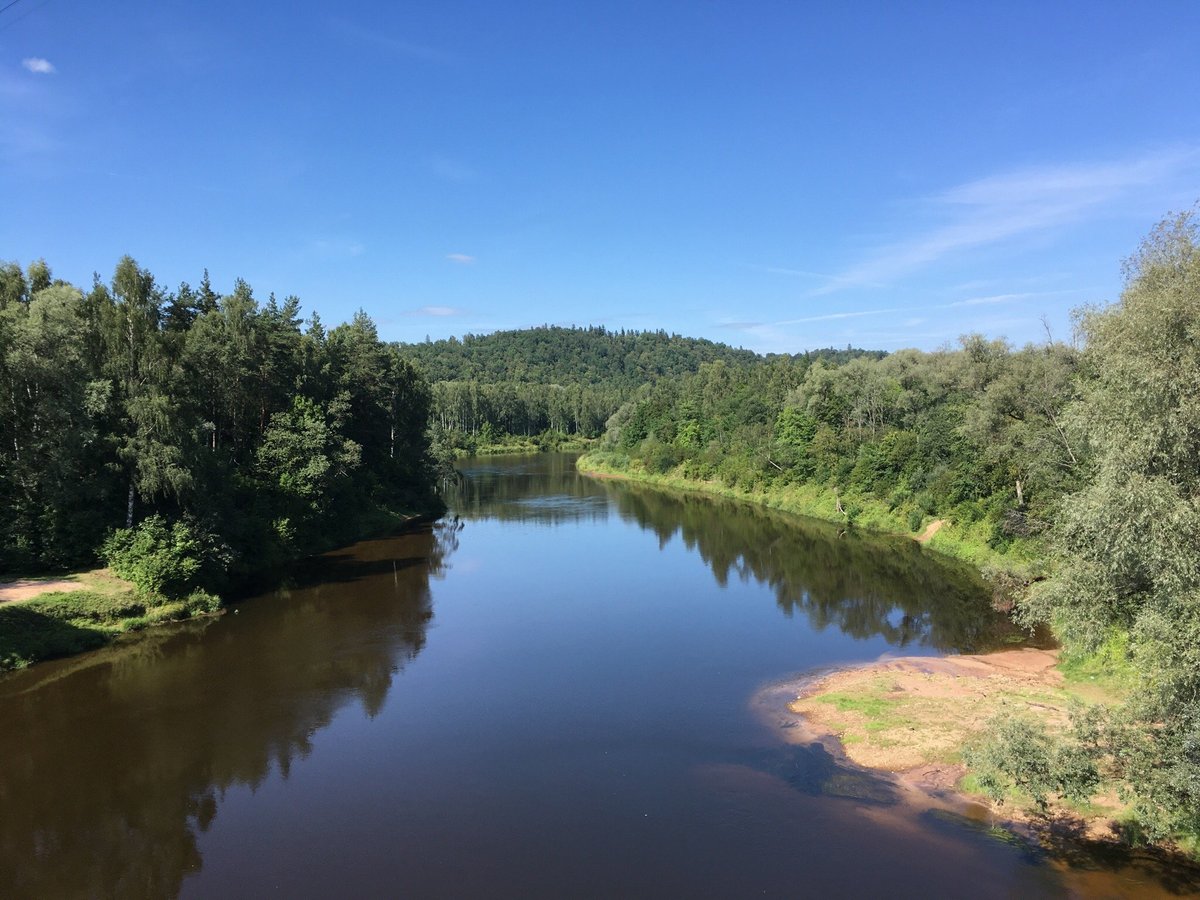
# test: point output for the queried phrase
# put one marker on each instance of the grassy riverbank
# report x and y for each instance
(1022, 559)
(81, 612)
(548, 442)
(48, 616)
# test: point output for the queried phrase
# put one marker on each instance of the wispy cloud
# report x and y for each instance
(1006, 206)
(336, 247)
(39, 66)
(452, 169)
(396, 45)
(808, 273)
(438, 311)
(996, 299)
(832, 317)
(461, 259)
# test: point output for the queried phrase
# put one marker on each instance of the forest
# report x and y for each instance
(188, 439)
(1069, 471)
(549, 382)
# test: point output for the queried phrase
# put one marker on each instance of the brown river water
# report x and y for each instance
(546, 694)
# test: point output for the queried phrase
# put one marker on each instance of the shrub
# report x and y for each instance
(1017, 756)
(166, 559)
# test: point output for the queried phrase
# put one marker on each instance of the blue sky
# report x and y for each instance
(779, 176)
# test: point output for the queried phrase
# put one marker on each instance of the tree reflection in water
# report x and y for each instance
(865, 585)
(108, 765)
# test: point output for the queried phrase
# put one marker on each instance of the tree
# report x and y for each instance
(1126, 541)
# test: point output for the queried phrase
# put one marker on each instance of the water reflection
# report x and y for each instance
(864, 585)
(544, 489)
(108, 764)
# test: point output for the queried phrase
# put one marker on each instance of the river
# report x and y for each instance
(546, 694)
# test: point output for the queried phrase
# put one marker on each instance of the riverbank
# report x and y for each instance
(1022, 563)
(48, 617)
(907, 720)
(910, 719)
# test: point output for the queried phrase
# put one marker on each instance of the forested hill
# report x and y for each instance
(557, 355)
(551, 382)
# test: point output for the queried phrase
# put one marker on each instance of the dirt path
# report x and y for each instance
(25, 588)
(931, 529)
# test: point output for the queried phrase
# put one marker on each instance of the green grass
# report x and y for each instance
(61, 623)
(1109, 669)
(872, 707)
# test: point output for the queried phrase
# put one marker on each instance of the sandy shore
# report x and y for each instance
(907, 719)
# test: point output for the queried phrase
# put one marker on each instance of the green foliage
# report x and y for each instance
(551, 380)
(1109, 666)
(129, 402)
(1018, 759)
(161, 559)
(1126, 586)
(972, 435)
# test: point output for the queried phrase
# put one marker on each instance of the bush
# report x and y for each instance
(166, 559)
(200, 602)
(1018, 757)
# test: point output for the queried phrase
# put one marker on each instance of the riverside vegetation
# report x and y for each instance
(1069, 472)
(188, 439)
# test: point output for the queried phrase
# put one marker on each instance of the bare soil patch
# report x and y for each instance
(931, 529)
(102, 581)
(914, 713)
(27, 588)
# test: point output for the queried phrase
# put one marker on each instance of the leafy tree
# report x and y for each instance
(1126, 541)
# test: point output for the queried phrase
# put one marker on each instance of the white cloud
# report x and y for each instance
(440, 311)
(461, 259)
(1010, 205)
(39, 66)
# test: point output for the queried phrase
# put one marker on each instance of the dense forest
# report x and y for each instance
(552, 382)
(218, 432)
(972, 434)
(1077, 465)
(547, 382)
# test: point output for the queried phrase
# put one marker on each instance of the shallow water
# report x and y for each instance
(548, 693)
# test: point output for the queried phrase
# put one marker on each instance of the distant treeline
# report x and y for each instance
(261, 436)
(565, 381)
